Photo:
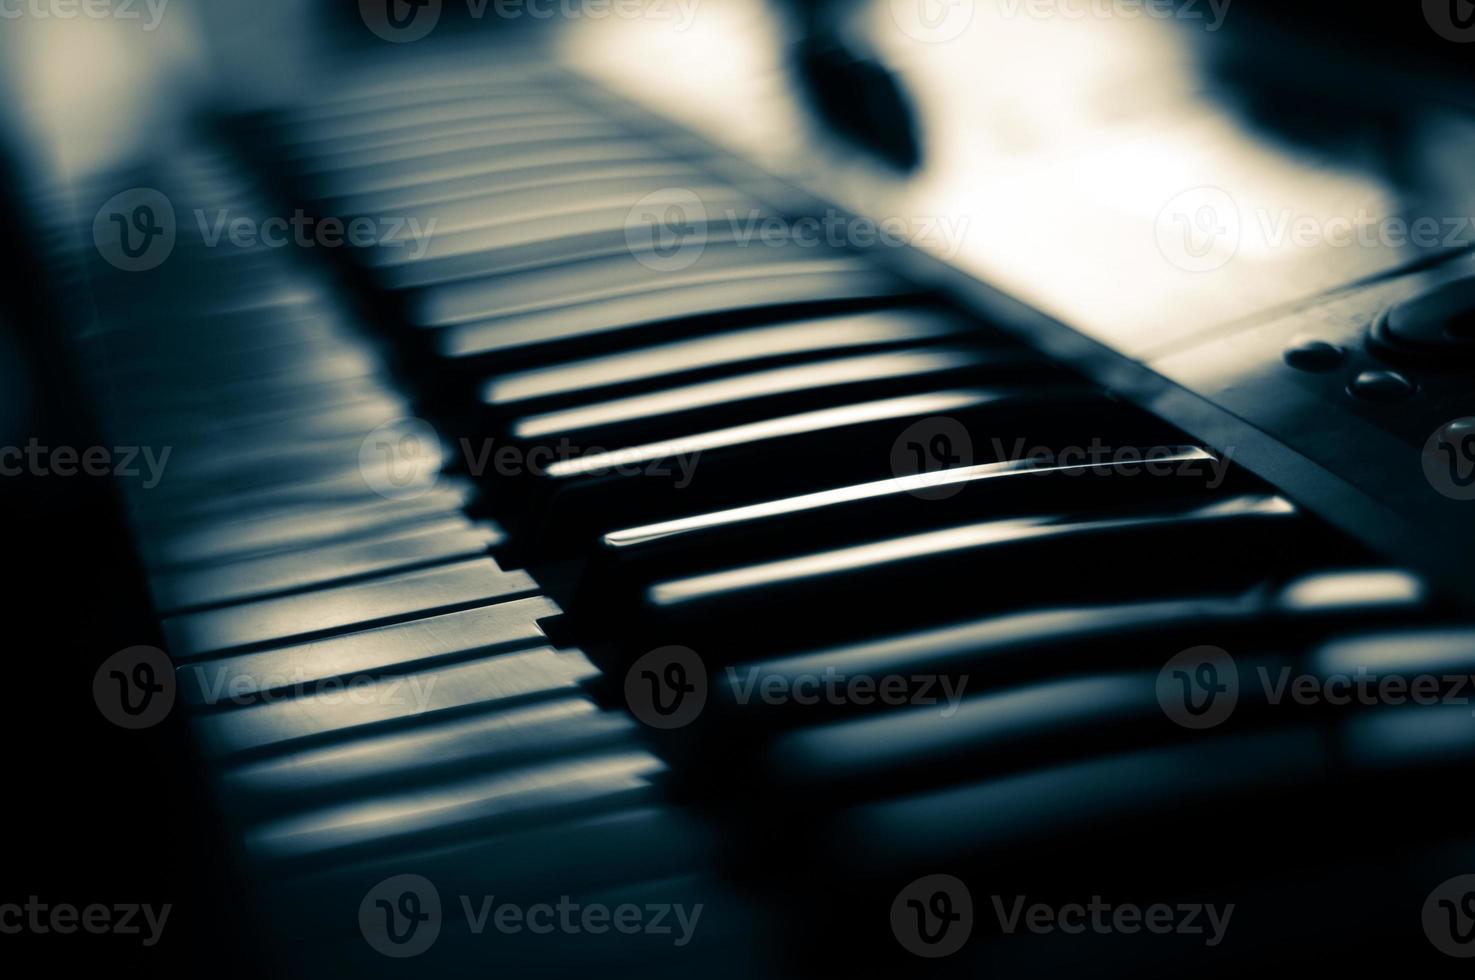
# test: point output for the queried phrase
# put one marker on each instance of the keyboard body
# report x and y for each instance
(545, 542)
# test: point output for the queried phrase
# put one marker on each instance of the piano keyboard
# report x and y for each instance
(407, 646)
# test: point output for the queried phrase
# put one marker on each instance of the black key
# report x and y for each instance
(601, 281)
(1081, 802)
(667, 412)
(591, 493)
(899, 582)
(723, 354)
(526, 243)
(633, 558)
(454, 220)
(1053, 641)
(965, 737)
(529, 339)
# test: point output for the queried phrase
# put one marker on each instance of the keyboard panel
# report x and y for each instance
(405, 654)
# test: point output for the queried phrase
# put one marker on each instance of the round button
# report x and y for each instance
(1310, 354)
(1437, 327)
(1383, 387)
